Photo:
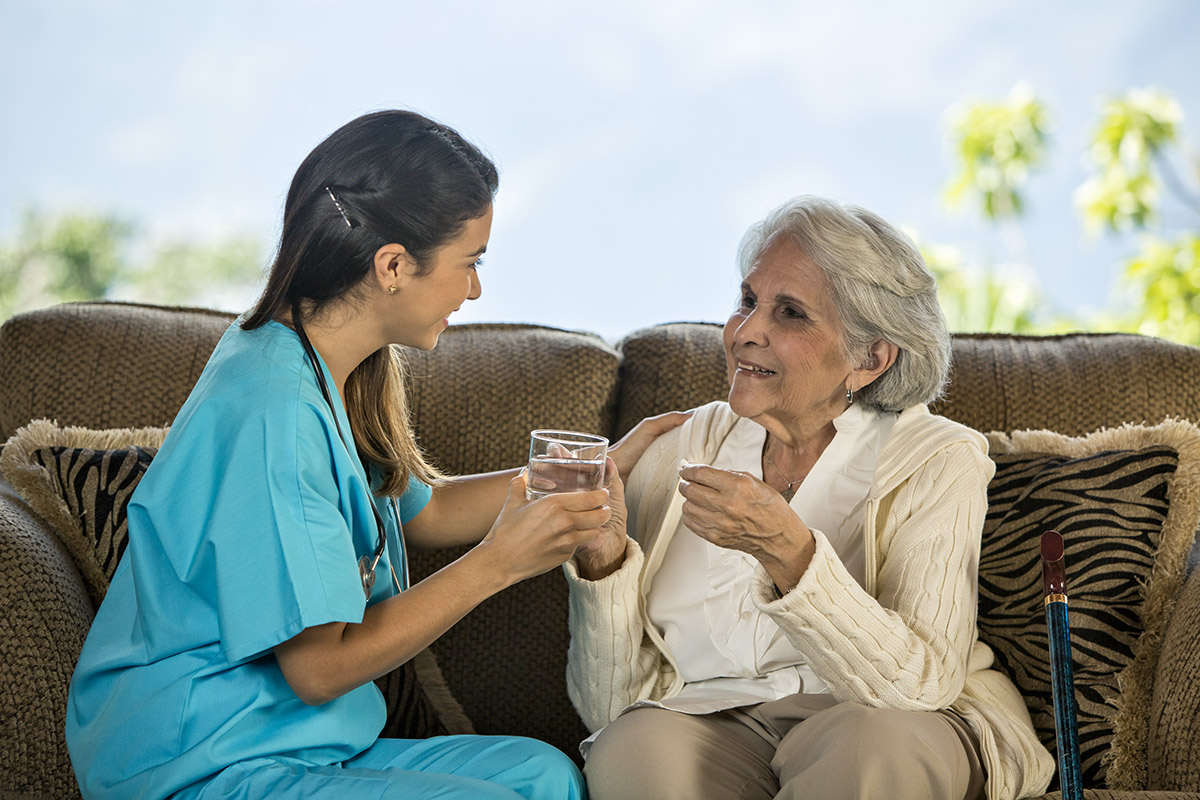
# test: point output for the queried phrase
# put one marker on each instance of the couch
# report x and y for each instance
(1103, 405)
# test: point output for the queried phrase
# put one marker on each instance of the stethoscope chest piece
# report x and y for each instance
(366, 571)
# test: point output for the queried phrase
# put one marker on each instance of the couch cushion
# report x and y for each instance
(80, 481)
(1071, 384)
(670, 367)
(1127, 502)
(475, 398)
(111, 365)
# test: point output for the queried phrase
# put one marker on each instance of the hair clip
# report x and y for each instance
(341, 210)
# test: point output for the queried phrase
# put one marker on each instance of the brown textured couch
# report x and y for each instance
(475, 398)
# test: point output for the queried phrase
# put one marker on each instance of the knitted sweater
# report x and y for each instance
(906, 639)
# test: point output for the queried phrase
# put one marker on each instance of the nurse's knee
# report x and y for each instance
(551, 774)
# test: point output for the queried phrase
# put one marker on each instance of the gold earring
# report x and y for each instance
(392, 289)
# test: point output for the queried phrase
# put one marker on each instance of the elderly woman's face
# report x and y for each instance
(782, 343)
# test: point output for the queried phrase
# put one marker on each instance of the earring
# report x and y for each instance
(392, 289)
(849, 396)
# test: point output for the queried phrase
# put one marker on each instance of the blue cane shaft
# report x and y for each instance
(1063, 685)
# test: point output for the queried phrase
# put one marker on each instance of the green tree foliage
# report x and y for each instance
(72, 257)
(996, 145)
(1129, 150)
(1166, 276)
(1132, 133)
(81, 256)
(975, 299)
(179, 271)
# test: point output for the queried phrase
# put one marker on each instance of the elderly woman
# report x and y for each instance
(796, 617)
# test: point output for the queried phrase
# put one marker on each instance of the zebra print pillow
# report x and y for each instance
(1124, 503)
(96, 486)
(80, 482)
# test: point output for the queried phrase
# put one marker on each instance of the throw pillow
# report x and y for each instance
(79, 481)
(1127, 503)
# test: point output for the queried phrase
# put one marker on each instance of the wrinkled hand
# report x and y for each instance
(737, 511)
(600, 557)
(627, 451)
(532, 537)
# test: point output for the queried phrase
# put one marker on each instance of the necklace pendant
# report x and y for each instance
(789, 491)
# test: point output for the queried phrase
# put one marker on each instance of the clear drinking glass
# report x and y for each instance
(564, 461)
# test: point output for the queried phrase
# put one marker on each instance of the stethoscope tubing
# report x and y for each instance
(367, 565)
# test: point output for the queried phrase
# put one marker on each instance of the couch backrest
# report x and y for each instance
(103, 365)
(128, 365)
(1072, 384)
(476, 397)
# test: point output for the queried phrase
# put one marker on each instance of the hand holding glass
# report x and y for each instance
(565, 461)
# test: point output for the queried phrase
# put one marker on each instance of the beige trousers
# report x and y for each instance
(803, 746)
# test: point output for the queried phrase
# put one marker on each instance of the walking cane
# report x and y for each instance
(1062, 681)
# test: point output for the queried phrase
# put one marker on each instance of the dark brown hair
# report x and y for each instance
(398, 178)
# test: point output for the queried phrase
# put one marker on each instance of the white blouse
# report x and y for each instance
(729, 653)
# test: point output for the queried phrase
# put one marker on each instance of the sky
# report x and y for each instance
(636, 140)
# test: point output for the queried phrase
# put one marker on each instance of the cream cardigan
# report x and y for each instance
(906, 640)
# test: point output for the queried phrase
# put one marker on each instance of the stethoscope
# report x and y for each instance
(366, 564)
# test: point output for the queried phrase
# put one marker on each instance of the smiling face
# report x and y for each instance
(783, 343)
(420, 310)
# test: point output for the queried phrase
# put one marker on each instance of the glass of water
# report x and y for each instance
(565, 461)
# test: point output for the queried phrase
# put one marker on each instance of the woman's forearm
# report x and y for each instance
(908, 645)
(607, 664)
(460, 512)
(326, 661)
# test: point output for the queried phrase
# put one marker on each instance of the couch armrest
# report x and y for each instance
(1173, 749)
(44, 618)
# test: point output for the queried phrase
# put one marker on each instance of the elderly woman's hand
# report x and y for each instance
(601, 556)
(627, 451)
(735, 510)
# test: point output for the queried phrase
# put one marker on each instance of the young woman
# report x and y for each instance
(265, 587)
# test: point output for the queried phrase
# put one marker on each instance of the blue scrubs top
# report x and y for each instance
(245, 530)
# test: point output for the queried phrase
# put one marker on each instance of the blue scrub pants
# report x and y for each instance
(444, 767)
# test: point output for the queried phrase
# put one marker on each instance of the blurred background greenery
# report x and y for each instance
(1134, 148)
(1137, 154)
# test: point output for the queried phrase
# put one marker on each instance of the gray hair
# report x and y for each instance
(881, 289)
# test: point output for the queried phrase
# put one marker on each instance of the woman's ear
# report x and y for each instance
(879, 359)
(394, 268)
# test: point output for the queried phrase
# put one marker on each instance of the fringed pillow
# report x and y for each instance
(1127, 504)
